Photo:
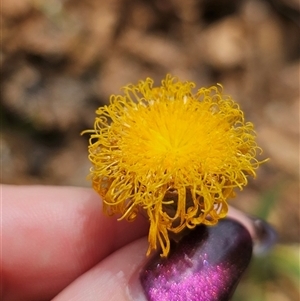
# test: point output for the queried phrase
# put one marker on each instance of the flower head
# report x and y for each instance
(171, 152)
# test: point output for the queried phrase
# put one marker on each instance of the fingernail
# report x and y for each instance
(265, 237)
(206, 265)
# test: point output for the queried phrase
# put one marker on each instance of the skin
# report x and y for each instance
(58, 245)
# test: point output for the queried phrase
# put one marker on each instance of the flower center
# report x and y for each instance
(170, 134)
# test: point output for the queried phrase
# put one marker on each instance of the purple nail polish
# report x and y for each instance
(206, 265)
(265, 238)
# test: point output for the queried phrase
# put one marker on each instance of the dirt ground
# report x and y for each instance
(63, 59)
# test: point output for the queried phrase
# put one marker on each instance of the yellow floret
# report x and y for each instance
(173, 153)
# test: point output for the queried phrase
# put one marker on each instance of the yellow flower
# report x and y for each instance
(173, 153)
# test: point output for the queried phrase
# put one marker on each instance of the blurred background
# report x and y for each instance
(63, 59)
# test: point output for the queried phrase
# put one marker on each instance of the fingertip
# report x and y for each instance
(116, 278)
(206, 264)
(54, 234)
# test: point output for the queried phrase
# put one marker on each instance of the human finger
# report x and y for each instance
(206, 264)
(51, 235)
(116, 278)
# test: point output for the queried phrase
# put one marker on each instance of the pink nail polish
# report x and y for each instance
(206, 265)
